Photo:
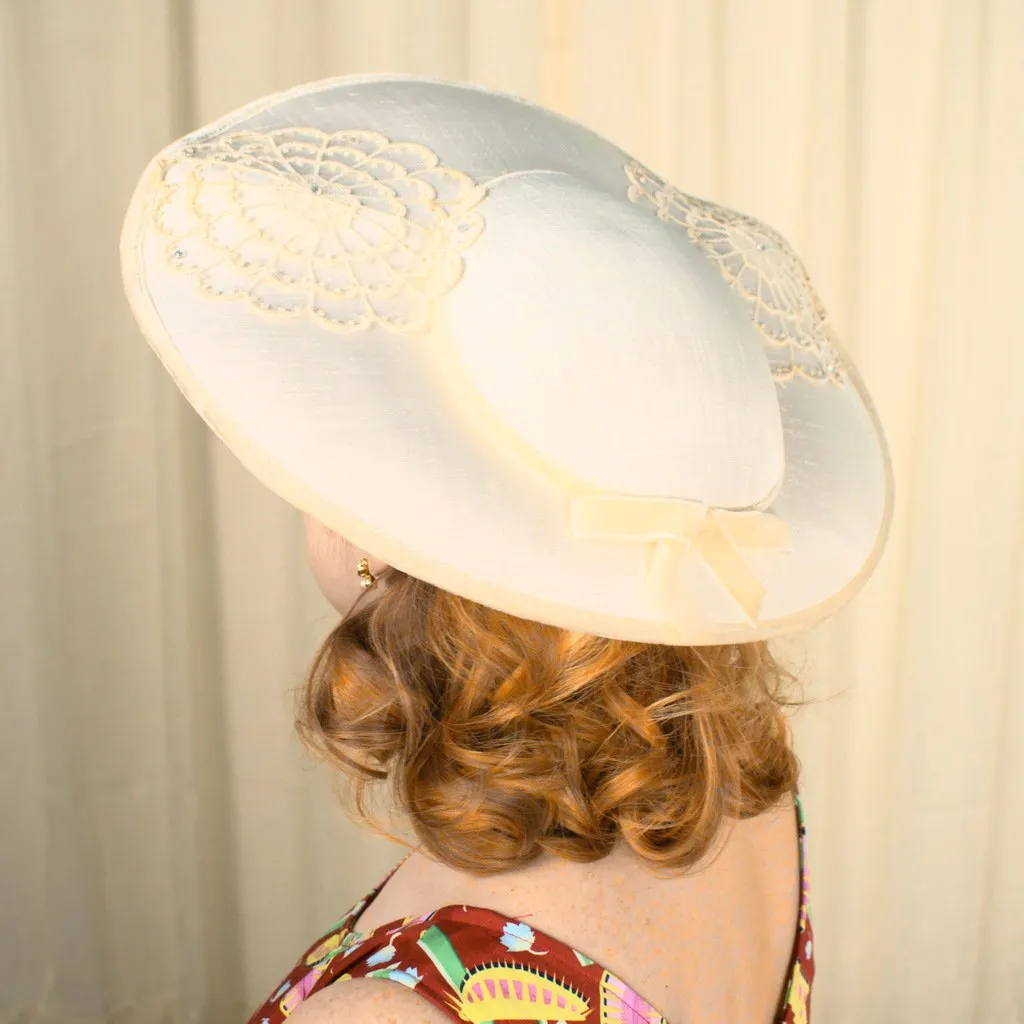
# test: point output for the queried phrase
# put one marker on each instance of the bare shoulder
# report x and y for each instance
(367, 1001)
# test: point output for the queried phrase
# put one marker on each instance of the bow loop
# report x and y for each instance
(680, 528)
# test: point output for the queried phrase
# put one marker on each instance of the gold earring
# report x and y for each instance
(366, 578)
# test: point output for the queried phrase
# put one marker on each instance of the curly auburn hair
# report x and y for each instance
(503, 737)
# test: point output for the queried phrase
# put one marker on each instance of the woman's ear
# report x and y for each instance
(334, 562)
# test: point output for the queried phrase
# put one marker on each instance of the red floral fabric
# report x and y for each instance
(480, 966)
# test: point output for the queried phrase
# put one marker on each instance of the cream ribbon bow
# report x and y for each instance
(682, 527)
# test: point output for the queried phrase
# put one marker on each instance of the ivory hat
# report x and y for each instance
(488, 346)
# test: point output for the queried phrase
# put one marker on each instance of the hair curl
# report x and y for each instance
(503, 737)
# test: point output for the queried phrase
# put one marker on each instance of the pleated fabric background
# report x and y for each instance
(165, 849)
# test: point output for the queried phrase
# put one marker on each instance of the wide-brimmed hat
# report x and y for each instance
(488, 346)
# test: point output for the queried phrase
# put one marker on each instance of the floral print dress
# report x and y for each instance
(480, 966)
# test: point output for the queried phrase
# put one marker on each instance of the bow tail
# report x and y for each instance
(676, 604)
(722, 558)
(733, 571)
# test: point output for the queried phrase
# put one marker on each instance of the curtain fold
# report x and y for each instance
(167, 850)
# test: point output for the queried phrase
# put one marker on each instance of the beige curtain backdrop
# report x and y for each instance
(165, 850)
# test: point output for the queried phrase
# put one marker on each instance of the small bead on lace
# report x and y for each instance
(760, 264)
(348, 227)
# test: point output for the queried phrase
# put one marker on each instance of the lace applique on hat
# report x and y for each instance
(349, 228)
(760, 264)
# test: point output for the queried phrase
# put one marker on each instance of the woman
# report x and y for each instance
(571, 446)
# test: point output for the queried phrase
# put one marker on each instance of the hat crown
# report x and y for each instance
(613, 348)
